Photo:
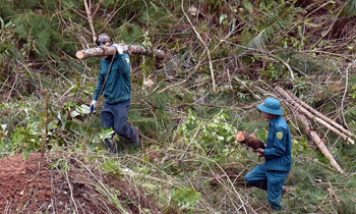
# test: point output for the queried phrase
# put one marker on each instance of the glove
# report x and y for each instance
(92, 106)
(118, 48)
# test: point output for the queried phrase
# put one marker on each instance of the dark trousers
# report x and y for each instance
(115, 116)
(269, 180)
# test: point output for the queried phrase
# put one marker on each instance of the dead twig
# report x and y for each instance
(90, 18)
(71, 193)
(343, 97)
(333, 195)
(44, 140)
(206, 48)
(331, 26)
(301, 108)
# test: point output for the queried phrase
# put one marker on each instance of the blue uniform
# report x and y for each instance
(116, 88)
(272, 175)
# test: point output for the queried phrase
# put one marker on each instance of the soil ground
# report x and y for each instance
(83, 188)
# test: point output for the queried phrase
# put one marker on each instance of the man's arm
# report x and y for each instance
(279, 144)
(99, 87)
(97, 93)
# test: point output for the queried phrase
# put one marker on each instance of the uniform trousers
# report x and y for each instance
(115, 116)
(270, 180)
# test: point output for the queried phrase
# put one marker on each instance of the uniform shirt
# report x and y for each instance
(118, 84)
(279, 146)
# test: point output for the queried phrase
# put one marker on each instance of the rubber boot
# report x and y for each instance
(111, 144)
(136, 143)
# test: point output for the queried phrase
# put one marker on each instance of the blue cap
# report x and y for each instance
(271, 106)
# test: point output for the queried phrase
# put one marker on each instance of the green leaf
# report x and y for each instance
(222, 18)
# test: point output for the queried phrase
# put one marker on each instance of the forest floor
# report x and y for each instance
(64, 188)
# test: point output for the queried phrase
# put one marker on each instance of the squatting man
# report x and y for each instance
(272, 175)
(114, 84)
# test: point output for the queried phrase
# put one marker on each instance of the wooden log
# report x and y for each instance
(317, 140)
(300, 108)
(129, 49)
(250, 140)
(92, 52)
(325, 118)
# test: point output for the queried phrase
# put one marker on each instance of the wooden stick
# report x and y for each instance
(129, 49)
(312, 110)
(332, 192)
(206, 49)
(90, 18)
(249, 140)
(300, 108)
(317, 140)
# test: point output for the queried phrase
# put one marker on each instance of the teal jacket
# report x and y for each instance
(278, 154)
(117, 87)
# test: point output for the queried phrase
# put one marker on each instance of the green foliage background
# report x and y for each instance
(226, 59)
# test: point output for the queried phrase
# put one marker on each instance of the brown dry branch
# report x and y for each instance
(332, 192)
(300, 108)
(317, 140)
(313, 135)
(330, 28)
(263, 52)
(129, 49)
(243, 83)
(312, 110)
(90, 18)
(70, 186)
(205, 47)
(250, 140)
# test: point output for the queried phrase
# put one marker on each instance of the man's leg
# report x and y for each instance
(107, 120)
(121, 112)
(276, 180)
(257, 177)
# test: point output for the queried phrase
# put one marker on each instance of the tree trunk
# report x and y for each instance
(129, 49)
(250, 140)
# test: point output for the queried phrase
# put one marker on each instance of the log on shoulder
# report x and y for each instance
(129, 49)
(250, 140)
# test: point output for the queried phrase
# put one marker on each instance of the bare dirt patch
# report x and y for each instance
(83, 188)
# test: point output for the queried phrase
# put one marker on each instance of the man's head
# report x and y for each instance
(271, 107)
(103, 40)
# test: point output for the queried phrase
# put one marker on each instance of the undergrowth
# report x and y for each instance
(225, 59)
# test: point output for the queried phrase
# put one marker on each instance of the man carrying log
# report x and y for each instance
(115, 85)
(273, 173)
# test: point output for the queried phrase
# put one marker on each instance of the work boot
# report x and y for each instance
(135, 144)
(284, 190)
(111, 144)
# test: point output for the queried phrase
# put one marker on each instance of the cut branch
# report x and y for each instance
(300, 108)
(129, 49)
(250, 140)
(317, 140)
(312, 110)
(90, 18)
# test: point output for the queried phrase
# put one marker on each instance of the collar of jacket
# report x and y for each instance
(274, 121)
